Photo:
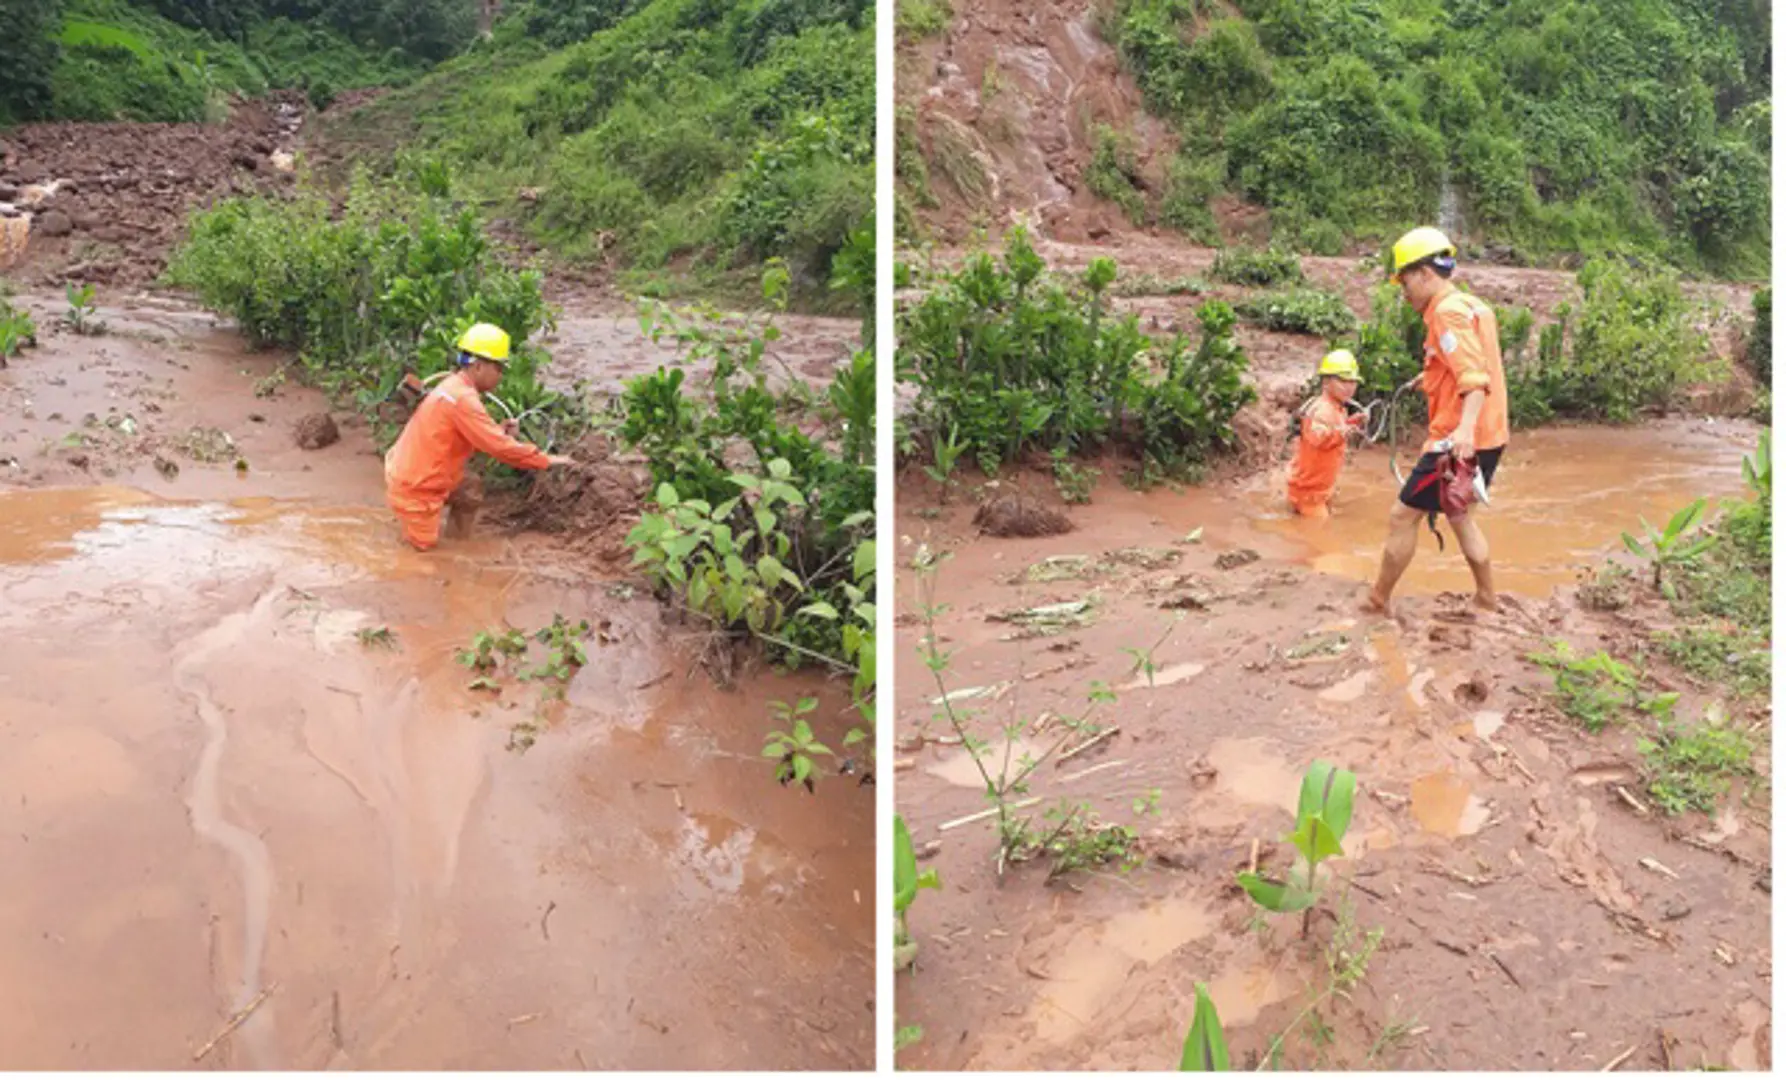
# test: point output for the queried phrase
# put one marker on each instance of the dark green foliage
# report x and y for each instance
(1249, 266)
(1567, 126)
(1113, 175)
(33, 33)
(1300, 311)
(1007, 362)
(427, 30)
(383, 289)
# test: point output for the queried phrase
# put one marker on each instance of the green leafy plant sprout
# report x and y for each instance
(1144, 662)
(376, 637)
(1323, 813)
(793, 749)
(945, 452)
(82, 311)
(1205, 1047)
(1672, 546)
(907, 882)
(1593, 690)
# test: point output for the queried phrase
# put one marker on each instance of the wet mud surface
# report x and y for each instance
(224, 801)
(1521, 926)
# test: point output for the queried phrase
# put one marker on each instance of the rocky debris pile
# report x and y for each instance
(105, 203)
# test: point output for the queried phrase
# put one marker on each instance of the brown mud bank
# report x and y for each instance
(232, 794)
(1529, 917)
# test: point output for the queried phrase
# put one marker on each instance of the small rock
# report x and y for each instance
(167, 468)
(1233, 560)
(55, 223)
(8, 192)
(79, 461)
(257, 418)
(947, 70)
(316, 431)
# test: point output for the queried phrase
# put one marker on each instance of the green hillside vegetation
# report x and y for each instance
(688, 134)
(176, 60)
(1566, 126)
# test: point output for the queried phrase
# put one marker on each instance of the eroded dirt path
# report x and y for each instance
(1491, 847)
(219, 797)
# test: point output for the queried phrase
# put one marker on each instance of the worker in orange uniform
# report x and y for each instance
(1466, 400)
(1326, 424)
(428, 462)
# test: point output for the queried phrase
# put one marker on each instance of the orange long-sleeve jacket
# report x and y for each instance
(1463, 353)
(1320, 453)
(449, 426)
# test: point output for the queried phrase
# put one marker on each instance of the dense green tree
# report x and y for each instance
(31, 28)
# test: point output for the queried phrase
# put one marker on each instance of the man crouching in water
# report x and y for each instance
(1324, 427)
(1466, 399)
(425, 467)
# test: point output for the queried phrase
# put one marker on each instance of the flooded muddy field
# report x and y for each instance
(252, 830)
(1503, 904)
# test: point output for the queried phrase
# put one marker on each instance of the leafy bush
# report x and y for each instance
(1593, 127)
(1630, 346)
(1113, 175)
(1301, 311)
(1249, 266)
(33, 49)
(384, 289)
(781, 548)
(1006, 362)
(1190, 184)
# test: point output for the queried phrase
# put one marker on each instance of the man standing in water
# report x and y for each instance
(1466, 400)
(1325, 426)
(451, 424)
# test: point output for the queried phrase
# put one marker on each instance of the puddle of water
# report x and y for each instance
(1252, 774)
(41, 526)
(1348, 690)
(1242, 994)
(1096, 963)
(1443, 804)
(1487, 722)
(1560, 501)
(1166, 676)
(961, 770)
(717, 849)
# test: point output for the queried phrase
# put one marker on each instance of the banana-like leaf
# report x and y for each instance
(1205, 1047)
(1327, 790)
(1275, 896)
(906, 879)
(1315, 840)
(1686, 518)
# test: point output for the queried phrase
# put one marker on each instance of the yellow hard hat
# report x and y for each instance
(1340, 363)
(1418, 244)
(486, 342)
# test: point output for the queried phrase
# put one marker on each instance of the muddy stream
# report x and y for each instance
(1519, 927)
(222, 800)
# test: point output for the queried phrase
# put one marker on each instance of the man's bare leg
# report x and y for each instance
(1398, 552)
(1475, 544)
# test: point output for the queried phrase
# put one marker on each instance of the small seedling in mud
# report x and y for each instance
(82, 309)
(945, 453)
(793, 750)
(16, 331)
(907, 881)
(489, 648)
(1144, 664)
(484, 682)
(377, 636)
(1075, 838)
(270, 386)
(564, 652)
(907, 1037)
(1205, 1047)
(1689, 767)
(1075, 482)
(1671, 546)
(1323, 813)
(1348, 961)
(1593, 690)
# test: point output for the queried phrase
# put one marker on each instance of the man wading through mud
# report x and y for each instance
(1324, 428)
(428, 463)
(1466, 400)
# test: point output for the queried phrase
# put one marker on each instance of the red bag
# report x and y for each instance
(1457, 486)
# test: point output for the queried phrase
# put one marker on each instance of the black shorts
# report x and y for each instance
(1428, 499)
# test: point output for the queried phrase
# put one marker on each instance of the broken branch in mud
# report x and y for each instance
(1505, 970)
(1632, 801)
(982, 815)
(1087, 745)
(1620, 1060)
(546, 931)
(235, 1022)
(1083, 773)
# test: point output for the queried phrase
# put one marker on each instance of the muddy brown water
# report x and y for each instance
(220, 799)
(1486, 834)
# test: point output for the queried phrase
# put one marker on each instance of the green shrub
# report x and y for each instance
(1248, 266)
(1006, 361)
(383, 289)
(1190, 185)
(1113, 175)
(27, 89)
(918, 19)
(1301, 311)
(1631, 346)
